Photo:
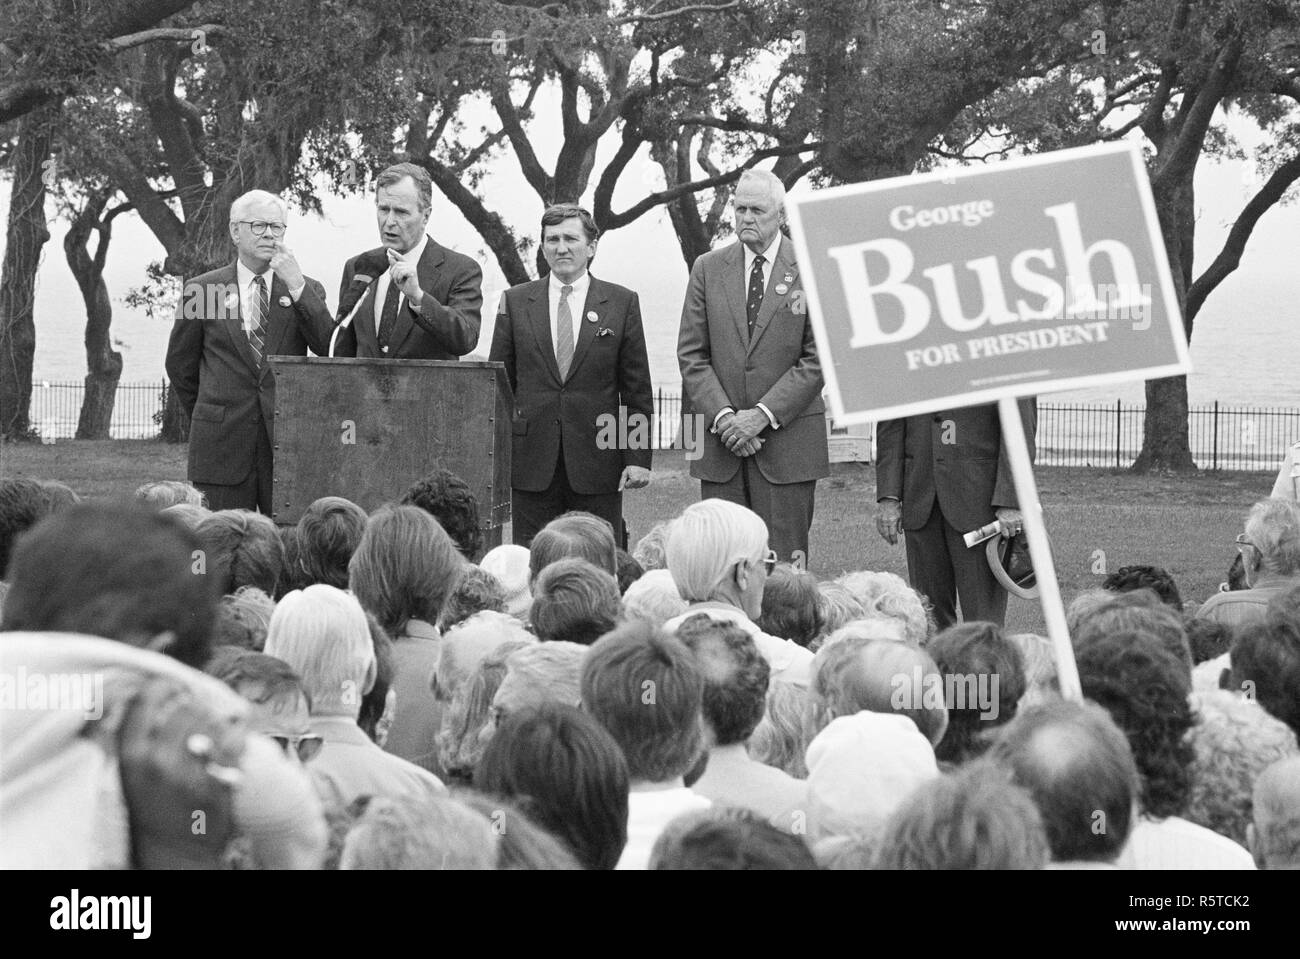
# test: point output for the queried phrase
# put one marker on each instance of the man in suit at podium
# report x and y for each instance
(574, 351)
(227, 323)
(410, 298)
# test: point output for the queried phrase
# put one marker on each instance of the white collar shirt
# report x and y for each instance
(381, 284)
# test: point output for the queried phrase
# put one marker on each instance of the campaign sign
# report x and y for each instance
(963, 286)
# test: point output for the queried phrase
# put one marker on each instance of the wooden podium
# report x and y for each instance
(367, 429)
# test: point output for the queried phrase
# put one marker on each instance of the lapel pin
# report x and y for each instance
(592, 317)
(232, 302)
(285, 301)
(782, 289)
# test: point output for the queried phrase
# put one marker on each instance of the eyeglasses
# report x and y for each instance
(305, 746)
(1243, 544)
(259, 227)
(770, 559)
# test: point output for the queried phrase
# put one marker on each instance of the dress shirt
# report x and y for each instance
(381, 283)
(577, 300)
(244, 277)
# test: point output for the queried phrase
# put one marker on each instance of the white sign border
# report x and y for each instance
(1182, 366)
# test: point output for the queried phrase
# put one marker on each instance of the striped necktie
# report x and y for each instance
(564, 333)
(261, 306)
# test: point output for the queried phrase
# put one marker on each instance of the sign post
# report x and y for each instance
(980, 284)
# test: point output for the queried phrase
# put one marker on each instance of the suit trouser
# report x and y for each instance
(530, 511)
(254, 493)
(943, 569)
(786, 508)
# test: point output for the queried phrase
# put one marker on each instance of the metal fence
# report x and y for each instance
(1102, 435)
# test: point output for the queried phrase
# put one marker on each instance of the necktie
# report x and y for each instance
(754, 299)
(261, 305)
(388, 316)
(564, 333)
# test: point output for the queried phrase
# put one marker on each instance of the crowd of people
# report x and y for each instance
(202, 688)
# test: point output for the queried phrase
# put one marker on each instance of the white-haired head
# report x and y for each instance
(705, 546)
(242, 204)
(322, 633)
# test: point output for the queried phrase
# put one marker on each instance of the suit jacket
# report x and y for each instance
(722, 365)
(446, 326)
(214, 371)
(607, 372)
(954, 456)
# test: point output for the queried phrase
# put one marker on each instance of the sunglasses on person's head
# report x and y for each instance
(306, 746)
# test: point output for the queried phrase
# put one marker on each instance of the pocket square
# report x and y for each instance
(604, 331)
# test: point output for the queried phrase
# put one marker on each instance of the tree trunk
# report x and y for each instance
(1164, 441)
(172, 419)
(103, 363)
(1165, 444)
(26, 235)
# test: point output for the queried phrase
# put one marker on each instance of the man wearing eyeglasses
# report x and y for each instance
(228, 321)
(1270, 557)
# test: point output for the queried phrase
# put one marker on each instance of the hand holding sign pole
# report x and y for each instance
(971, 285)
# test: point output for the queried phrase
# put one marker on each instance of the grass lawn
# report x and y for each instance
(1098, 520)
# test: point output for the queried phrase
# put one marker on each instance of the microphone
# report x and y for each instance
(368, 267)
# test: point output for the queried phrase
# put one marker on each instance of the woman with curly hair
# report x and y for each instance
(1145, 688)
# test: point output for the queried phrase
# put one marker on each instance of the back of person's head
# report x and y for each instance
(887, 595)
(975, 818)
(1039, 660)
(434, 833)
(838, 607)
(730, 839)
(189, 514)
(509, 564)
(1234, 741)
(792, 607)
(165, 493)
(575, 602)
(1078, 767)
(780, 739)
(649, 551)
(293, 575)
(243, 618)
(567, 773)
(575, 534)
(475, 591)
(883, 628)
(124, 572)
(1208, 638)
(1129, 578)
(464, 645)
(468, 716)
(707, 540)
(327, 536)
(645, 688)
(984, 678)
(265, 681)
(629, 570)
(1266, 667)
(59, 496)
(1137, 611)
(735, 677)
(653, 599)
(321, 633)
(448, 499)
(23, 504)
(1273, 528)
(851, 673)
(1145, 689)
(242, 548)
(1276, 812)
(404, 567)
(539, 673)
(522, 844)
